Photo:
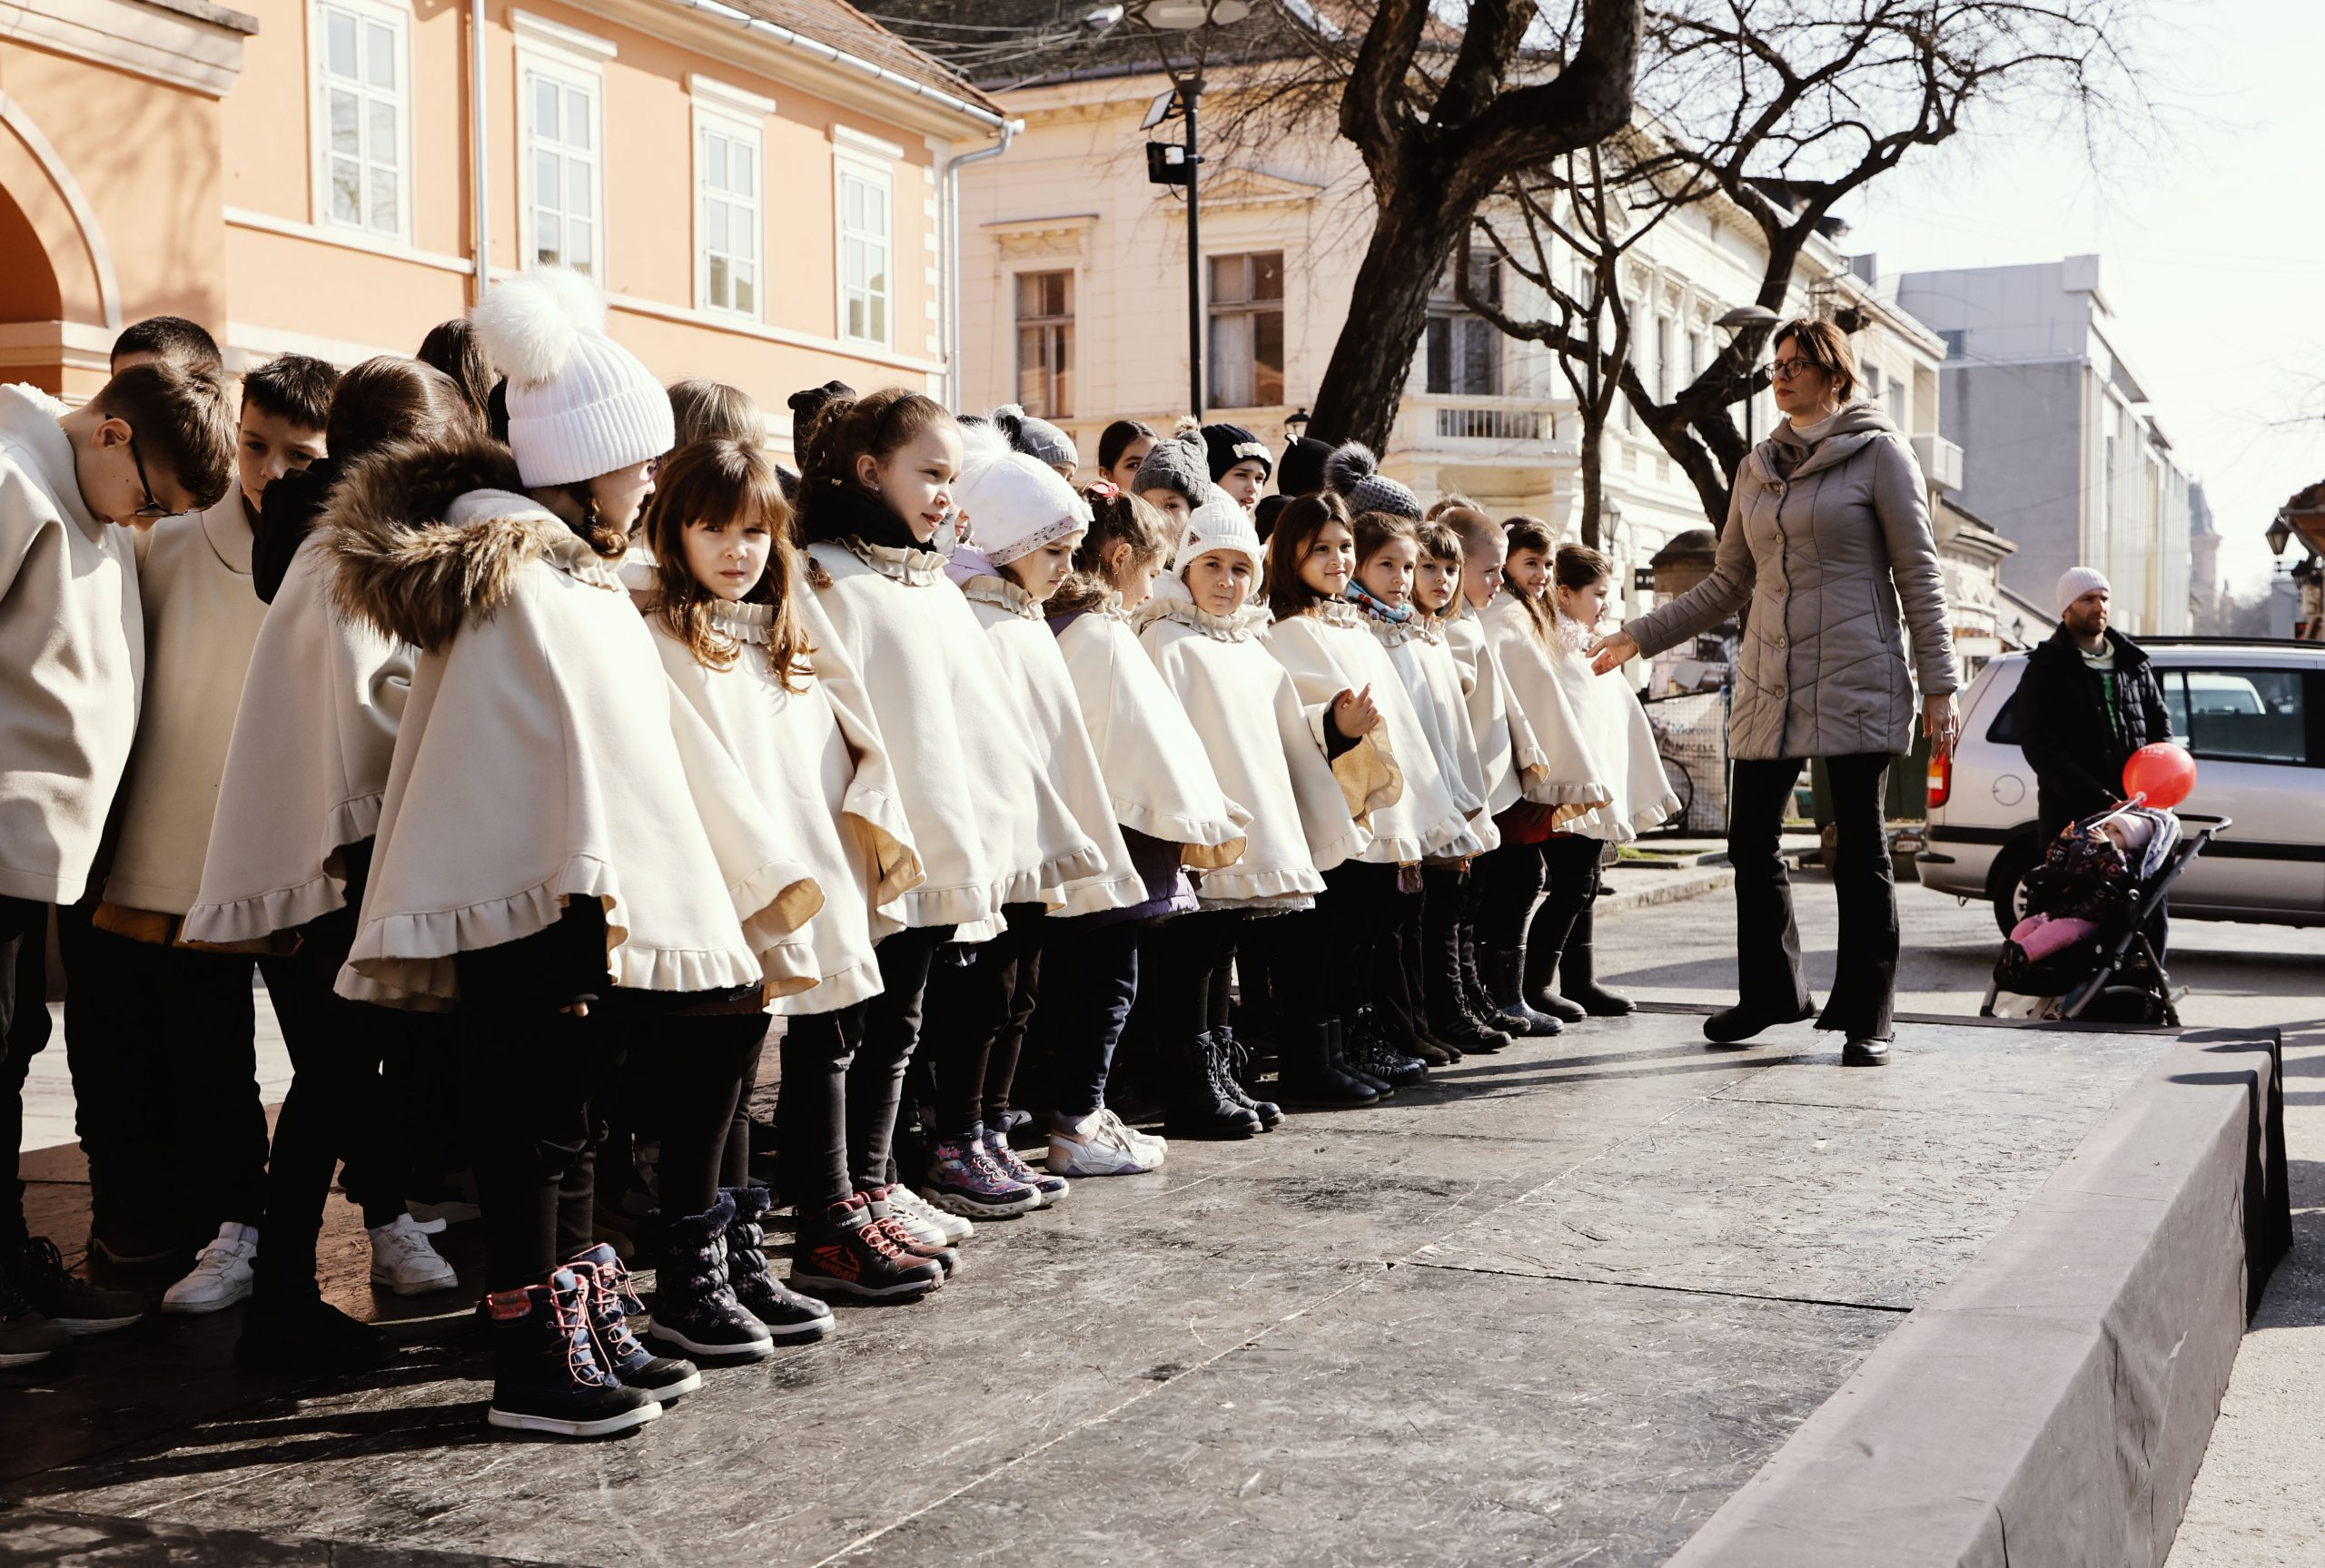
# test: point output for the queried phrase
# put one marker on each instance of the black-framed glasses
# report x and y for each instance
(1785, 369)
(152, 507)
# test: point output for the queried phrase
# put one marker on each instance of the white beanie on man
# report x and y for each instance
(579, 404)
(2077, 581)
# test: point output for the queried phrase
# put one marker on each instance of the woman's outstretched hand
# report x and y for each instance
(1355, 714)
(1614, 649)
(1942, 723)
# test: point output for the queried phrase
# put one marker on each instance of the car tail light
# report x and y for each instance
(1941, 778)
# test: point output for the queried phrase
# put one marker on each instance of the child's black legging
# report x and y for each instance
(978, 1015)
(1189, 958)
(819, 1052)
(1328, 962)
(1510, 883)
(705, 1064)
(891, 1026)
(1091, 981)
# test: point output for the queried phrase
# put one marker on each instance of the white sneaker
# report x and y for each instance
(222, 1273)
(404, 1261)
(1153, 1145)
(1105, 1150)
(918, 1214)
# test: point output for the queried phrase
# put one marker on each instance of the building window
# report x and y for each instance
(1247, 330)
(365, 116)
(1045, 343)
(564, 169)
(1695, 356)
(726, 241)
(1462, 351)
(867, 286)
(1662, 359)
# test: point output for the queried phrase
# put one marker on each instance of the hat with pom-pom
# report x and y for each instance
(1174, 465)
(1220, 523)
(1302, 472)
(579, 404)
(1035, 437)
(1354, 473)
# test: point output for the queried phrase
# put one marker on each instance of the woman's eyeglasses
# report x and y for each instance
(1785, 369)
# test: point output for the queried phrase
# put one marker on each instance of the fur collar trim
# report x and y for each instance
(424, 536)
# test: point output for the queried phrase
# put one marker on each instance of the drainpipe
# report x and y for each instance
(478, 161)
(951, 226)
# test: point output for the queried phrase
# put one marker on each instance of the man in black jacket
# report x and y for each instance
(2088, 700)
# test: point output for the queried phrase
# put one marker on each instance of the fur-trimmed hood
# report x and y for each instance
(407, 560)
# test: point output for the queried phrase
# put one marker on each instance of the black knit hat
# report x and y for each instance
(1302, 470)
(1229, 445)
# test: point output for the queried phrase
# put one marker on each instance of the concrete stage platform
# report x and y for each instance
(1558, 1307)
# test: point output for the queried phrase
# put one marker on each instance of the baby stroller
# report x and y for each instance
(2114, 975)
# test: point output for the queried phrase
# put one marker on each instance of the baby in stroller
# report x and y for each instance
(2089, 878)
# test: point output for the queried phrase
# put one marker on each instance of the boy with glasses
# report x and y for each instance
(156, 440)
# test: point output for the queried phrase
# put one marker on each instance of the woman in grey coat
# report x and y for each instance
(1827, 533)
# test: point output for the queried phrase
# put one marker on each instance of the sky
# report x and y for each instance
(2208, 217)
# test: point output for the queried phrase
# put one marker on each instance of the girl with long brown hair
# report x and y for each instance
(736, 628)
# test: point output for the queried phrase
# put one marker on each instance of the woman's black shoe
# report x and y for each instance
(299, 1332)
(1733, 1025)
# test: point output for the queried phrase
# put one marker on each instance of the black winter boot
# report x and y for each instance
(1449, 1020)
(1234, 1062)
(1546, 940)
(1504, 966)
(1196, 1105)
(1309, 1077)
(1343, 1062)
(787, 1314)
(694, 1305)
(546, 1375)
(1476, 1002)
(612, 1303)
(1370, 1050)
(1576, 980)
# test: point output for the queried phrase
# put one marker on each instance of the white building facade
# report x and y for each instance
(2062, 453)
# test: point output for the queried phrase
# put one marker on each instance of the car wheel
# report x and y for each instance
(2006, 880)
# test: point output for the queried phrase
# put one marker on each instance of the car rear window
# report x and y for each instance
(2004, 731)
(2239, 714)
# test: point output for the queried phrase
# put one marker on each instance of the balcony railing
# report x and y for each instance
(1511, 428)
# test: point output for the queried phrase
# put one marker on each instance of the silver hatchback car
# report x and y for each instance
(2251, 712)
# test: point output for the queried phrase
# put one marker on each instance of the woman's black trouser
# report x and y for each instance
(892, 1022)
(336, 1108)
(978, 1013)
(1769, 982)
(1090, 981)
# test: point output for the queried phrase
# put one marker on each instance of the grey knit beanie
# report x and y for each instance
(1175, 465)
(1034, 436)
(1354, 473)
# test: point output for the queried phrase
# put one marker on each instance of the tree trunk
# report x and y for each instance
(1413, 235)
(1594, 481)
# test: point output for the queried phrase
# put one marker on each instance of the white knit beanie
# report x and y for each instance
(2077, 581)
(579, 404)
(1014, 503)
(1220, 523)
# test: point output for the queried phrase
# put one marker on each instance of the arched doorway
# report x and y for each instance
(59, 301)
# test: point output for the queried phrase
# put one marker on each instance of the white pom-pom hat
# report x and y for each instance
(579, 404)
(1220, 523)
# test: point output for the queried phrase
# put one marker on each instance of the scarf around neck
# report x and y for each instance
(835, 512)
(1395, 614)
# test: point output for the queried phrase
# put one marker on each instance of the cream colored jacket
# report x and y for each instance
(1575, 785)
(1307, 816)
(1329, 651)
(816, 761)
(308, 766)
(1613, 729)
(1432, 681)
(990, 827)
(545, 755)
(202, 620)
(72, 658)
(1507, 754)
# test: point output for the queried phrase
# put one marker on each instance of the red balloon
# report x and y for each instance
(2165, 774)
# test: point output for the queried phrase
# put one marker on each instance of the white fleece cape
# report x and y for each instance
(308, 764)
(1329, 651)
(1507, 754)
(1307, 815)
(1614, 730)
(1575, 785)
(72, 657)
(1037, 676)
(1157, 773)
(822, 776)
(1432, 682)
(990, 827)
(545, 755)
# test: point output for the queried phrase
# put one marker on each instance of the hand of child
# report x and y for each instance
(1355, 714)
(1612, 651)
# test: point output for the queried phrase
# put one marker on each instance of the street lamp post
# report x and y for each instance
(1194, 16)
(1737, 320)
(1188, 94)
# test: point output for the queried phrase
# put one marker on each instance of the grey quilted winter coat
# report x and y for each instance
(1824, 558)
